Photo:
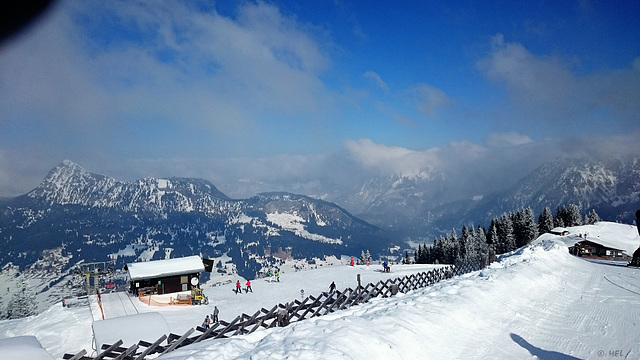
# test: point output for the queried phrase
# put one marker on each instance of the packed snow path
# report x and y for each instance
(118, 304)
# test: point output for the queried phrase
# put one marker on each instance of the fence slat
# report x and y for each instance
(108, 349)
(132, 349)
(77, 356)
(151, 349)
(179, 341)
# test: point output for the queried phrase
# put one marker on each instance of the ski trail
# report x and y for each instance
(551, 315)
(117, 304)
(621, 287)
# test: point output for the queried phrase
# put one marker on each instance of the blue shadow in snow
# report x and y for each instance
(541, 353)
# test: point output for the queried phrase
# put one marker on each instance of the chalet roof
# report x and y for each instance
(158, 268)
(603, 244)
(559, 230)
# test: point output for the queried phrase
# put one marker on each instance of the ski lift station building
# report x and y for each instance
(166, 276)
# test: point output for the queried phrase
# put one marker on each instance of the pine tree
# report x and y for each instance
(438, 250)
(473, 249)
(560, 219)
(492, 235)
(454, 254)
(531, 228)
(463, 243)
(482, 248)
(573, 216)
(593, 217)
(506, 238)
(526, 229)
(545, 221)
(23, 302)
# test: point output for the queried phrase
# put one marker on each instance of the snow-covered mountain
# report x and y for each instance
(434, 201)
(395, 202)
(86, 217)
(610, 186)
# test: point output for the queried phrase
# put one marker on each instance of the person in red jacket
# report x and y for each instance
(248, 286)
(238, 287)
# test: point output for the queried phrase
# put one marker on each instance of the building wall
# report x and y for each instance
(167, 284)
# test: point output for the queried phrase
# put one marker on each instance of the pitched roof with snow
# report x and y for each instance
(157, 268)
(559, 230)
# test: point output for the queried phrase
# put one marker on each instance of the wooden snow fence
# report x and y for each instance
(281, 314)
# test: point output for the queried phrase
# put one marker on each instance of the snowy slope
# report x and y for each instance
(538, 301)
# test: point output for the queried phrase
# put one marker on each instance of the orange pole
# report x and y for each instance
(101, 310)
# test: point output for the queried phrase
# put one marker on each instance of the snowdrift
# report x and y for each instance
(23, 347)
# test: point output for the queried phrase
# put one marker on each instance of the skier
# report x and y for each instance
(352, 261)
(238, 287)
(206, 322)
(332, 287)
(215, 314)
(385, 267)
(278, 276)
(367, 264)
(64, 303)
(248, 286)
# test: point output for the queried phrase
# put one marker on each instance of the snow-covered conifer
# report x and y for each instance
(506, 238)
(23, 302)
(593, 217)
(573, 216)
(545, 221)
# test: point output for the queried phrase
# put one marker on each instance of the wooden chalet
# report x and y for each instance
(166, 276)
(559, 231)
(588, 248)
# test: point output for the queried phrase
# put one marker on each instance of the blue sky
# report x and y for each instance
(286, 91)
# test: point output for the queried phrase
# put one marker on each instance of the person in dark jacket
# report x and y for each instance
(215, 314)
(332, 287)
(636, 254)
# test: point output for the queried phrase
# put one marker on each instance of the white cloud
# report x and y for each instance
(376, 79)
(430, 100)
(531, 79)
(546, 89)
(127, 61)
(507, 139)
(391, 160)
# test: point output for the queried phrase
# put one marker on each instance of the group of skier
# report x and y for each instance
(239, 287)
(272, 274)
(210, 320)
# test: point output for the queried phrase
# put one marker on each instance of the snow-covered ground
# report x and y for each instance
(537, 302)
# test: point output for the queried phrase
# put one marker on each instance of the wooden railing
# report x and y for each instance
(282, 314)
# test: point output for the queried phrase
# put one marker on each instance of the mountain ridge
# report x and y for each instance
(87, 217)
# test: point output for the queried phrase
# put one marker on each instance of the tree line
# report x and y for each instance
(505, 233)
